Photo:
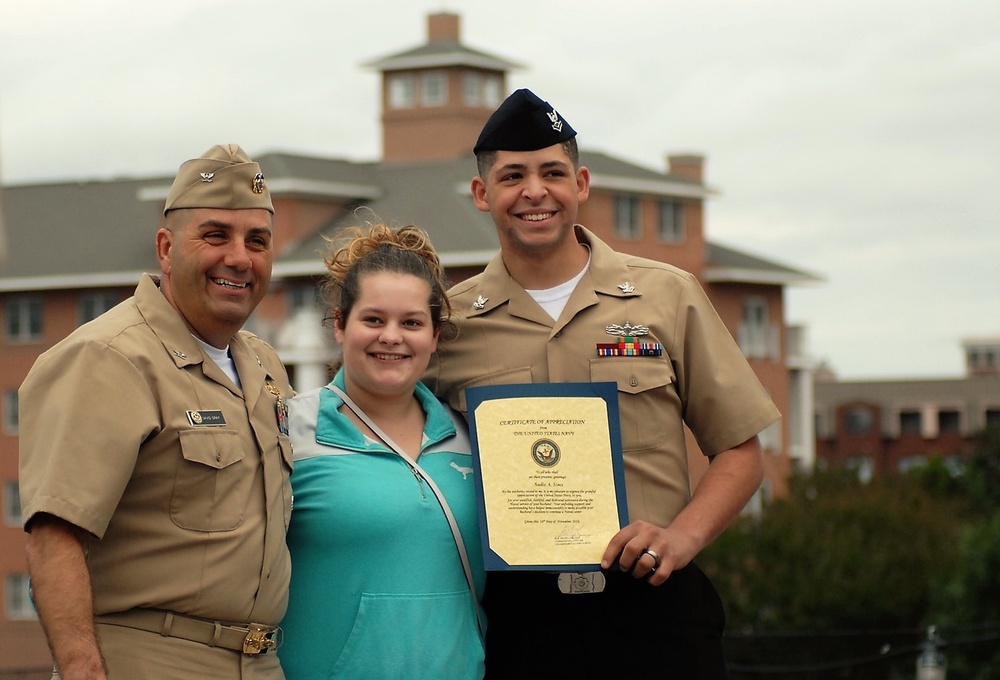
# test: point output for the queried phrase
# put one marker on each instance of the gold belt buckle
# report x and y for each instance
(581, 582)
(259, 640)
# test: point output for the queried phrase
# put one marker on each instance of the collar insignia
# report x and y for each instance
(207, 176)
(480, 302)
(179, 354)
(626, 287)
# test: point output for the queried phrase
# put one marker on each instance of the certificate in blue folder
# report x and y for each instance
(550, 477)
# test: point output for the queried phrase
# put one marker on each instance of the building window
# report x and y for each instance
(434, 89)
(671, 221)
(93, 305)
(301, 297)
(472, 89)
(492, 92)
(858, 421)
(757, 336)
(10, 412)
(402, 92)
(909, 422)
(992, 417)
(481, 91)
(627, 218)
(18, 605)
(11, 504)
(949, 422)
(23, 320)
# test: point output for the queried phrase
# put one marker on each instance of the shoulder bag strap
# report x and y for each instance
(419, 471)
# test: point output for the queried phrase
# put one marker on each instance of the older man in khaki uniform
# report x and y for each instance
(559, 305)
(154, 457)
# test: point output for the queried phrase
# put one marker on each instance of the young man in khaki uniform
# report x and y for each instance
(154, 456)
(537, 314)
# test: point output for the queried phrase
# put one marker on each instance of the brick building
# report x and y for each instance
(887, 426)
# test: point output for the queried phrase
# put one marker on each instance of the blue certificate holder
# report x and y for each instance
(550, 477)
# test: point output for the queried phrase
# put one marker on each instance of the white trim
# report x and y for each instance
(447, 59)
(651, 187)
(464, 258)
(69, 281)
(762, 276)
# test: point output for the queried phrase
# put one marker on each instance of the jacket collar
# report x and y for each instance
(333, 428)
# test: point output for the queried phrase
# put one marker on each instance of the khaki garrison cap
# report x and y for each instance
(224, 177)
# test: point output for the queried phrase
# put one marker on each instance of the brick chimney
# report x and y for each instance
(689, 166)
(442, 26)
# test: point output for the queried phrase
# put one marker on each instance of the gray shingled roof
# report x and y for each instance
(726, 265)
(94, 233)
(432, 195)
(442, 52)
(81, 229)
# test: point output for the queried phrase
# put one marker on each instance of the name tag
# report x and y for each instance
(206, 418)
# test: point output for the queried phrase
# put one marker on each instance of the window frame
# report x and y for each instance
(429, 96)
(672, 230)
(628, 216)
(402, 91)
(28, 313)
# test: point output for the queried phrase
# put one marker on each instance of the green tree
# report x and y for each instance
(968, 611)
(836, 555)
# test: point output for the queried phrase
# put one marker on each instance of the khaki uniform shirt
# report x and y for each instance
(129, 431)
(701, 379)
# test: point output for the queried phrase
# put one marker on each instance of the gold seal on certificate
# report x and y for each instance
(550, 476)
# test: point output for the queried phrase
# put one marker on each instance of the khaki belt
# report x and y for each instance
(249, 638)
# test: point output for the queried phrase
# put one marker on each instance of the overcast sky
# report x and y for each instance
(855, 139)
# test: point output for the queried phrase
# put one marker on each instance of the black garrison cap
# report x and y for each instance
(523, 123)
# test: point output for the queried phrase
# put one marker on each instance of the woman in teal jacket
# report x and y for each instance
(378, 587)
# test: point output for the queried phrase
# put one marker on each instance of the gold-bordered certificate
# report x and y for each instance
(550, 480)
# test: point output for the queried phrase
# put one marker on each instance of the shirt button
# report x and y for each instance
(633, 381)
(218, 458)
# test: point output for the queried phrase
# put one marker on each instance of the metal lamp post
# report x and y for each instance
(931, 664)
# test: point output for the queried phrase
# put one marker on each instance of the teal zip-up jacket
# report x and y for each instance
(378, 590)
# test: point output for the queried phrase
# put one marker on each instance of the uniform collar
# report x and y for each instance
(333, 428)
(166, 323)
(168, 326)
(607, 275)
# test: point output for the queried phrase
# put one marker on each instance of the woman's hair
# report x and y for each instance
(407, 250)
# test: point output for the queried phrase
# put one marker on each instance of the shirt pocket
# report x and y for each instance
(647, 399)
(211, 485)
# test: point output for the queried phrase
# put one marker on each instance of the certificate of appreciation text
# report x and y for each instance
(550, 476)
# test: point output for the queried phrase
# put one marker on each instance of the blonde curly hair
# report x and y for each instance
(380, 248)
